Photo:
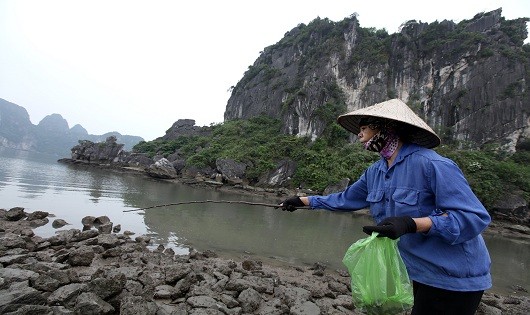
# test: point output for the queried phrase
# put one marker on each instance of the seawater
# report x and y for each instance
(71, 192)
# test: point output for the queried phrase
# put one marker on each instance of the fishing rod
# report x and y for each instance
(213, 201)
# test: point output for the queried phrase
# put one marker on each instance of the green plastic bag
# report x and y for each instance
(379, 280)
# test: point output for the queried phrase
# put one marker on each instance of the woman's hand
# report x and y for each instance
(393, 227)
(292, 204)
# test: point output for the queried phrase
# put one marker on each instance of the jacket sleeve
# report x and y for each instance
(465, 216)
(352, 198)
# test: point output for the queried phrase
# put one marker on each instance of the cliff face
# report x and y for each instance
(469, 80)
(16, 130)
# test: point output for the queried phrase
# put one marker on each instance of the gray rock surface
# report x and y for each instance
(87, 272)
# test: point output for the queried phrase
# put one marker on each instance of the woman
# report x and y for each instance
(423, 199)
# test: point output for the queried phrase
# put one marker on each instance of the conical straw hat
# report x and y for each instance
(397, 110)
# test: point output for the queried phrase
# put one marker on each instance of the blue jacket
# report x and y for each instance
(452, 255)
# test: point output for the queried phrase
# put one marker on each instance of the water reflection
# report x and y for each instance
(24, 168)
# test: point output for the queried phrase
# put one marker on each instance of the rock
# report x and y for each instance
(511, 207)
(45, 283)
(339, 287)
(338, 187)
(185, 127)
(218, 178)
(65, 294)
(318, 269)
(162, 169)
(169, 251)
(11, 275)
(85, 235)
(99, 153)
(197, 174)
(231, 170)
(102, 220)
(108, 287)
(37, 215)
(280, 176)
(105, 228)
(137, 305)
(202, 302)
(10, 240)
(164, 291)
(15, 214)
(108, 240)
(116, 228)
(38, 222)
(58, 223)
(12, 259)
(179, 165)
(88, 221)
(18, 295)
(306, 308)
(89, 303)
(249, 300)
(293, 295)
(251, 265)
(112, 252)
(27, 232)
(61, 310)
(142, 239)
(485, 309)
(64, 237)
(82, 256)
(138, 160)
(32, 309)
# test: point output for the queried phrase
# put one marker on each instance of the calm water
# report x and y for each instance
(39, 182)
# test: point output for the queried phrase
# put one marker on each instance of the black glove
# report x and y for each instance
(393, 227)
(292, 203)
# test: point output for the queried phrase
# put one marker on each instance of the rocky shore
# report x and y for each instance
(98, 270)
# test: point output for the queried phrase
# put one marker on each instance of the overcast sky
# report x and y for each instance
(136, 67)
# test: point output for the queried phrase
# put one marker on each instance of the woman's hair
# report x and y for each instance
(370, 120)
(402, 130)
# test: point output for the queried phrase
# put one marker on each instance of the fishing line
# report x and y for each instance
(212, 201)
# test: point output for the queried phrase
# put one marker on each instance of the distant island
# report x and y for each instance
(51, 135)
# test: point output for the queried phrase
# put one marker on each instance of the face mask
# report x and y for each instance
(385, 143)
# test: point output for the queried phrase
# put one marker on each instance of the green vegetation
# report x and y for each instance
(334, 106)
(319, 32)
(512, 90)
(259, 143)
(373, 46)
(491, 174)
(456, 39)
(515, 29)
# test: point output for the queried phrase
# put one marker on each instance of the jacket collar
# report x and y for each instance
(405, 150)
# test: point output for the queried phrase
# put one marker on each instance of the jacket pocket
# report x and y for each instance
(406, 201)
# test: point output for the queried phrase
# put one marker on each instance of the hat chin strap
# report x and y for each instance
(385, 143)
